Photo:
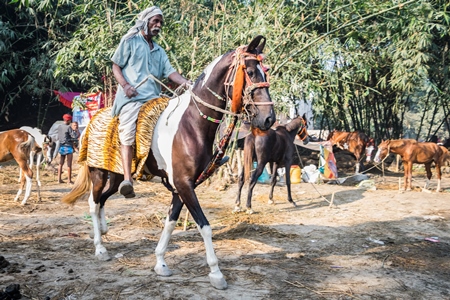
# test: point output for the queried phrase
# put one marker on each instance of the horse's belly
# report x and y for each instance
(165, 131)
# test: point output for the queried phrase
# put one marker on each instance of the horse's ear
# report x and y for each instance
(255, 44)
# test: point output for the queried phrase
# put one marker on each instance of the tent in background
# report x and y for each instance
(83, 105)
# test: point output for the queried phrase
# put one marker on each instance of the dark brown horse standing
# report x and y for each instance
(182, 145)
(354, 142)
(413, 152)
(22, 145)
(275, 146)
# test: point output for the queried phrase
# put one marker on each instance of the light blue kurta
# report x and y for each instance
(136, 60)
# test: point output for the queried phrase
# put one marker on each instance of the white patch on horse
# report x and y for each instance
(262, 72)
(209, 69)
(165, 130)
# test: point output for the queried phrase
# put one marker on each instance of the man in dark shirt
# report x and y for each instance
(66, 148)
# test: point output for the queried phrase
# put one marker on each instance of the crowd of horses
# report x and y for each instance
(184, 150)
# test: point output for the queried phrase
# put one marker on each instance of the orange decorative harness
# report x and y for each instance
(240, 99)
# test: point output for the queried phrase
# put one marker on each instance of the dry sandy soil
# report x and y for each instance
(370, 244)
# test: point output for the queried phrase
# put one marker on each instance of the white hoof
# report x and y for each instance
(217, 280)
(163, 270)
(271, 202)
(23, 203)
(237, 209)
(250, 211)
(103, 256)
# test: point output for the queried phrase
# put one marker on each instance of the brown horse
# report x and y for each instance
(22, 145)
(182, 144)
(412, 152)
(275, 146)
(354, 142)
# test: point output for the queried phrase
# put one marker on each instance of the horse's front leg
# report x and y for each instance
(190, 199)
(408, 176)
(253, 179)
(241, 181)
(161, 267)
(38, 182)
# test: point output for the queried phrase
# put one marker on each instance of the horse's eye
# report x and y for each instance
(250, 73)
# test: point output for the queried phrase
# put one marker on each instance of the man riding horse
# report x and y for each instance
(135, 58)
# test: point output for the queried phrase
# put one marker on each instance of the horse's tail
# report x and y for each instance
(249, 150)
(82, 185)
(27, 145)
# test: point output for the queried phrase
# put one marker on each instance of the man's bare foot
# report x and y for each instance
(70, 182)
(60, 181)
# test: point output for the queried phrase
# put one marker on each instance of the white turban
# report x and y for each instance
(142, 21)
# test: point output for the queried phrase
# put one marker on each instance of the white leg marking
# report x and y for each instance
(427, 183)
(27, 190)
(19, 192)
(94, 209)
(161, 266)
(215, 276)
(103, 224)
(438, 189)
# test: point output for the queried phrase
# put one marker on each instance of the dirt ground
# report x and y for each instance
(370, 244)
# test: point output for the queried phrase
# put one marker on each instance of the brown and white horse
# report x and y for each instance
(182, 146)
(355, 142)
(22, 145)
(274, 146)
(413, 152)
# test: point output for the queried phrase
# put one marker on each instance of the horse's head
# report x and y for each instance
(49, 152)
(240, 79)
(383, 151)
(251, 85)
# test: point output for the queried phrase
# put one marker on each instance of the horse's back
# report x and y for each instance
(424, 152)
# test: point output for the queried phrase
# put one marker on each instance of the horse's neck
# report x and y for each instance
(397, 148)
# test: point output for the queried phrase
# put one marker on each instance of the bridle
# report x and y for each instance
(237, 78)
(241, 97)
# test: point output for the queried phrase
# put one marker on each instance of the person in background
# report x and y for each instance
(137, 56)
(75, 135)
(65, 148)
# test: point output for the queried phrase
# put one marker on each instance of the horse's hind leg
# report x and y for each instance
(27, 174)
(273, 182)
(253, 179)
(438, 174)
(288, 185)
(161, 267)
(97, 213)
(113, 187)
